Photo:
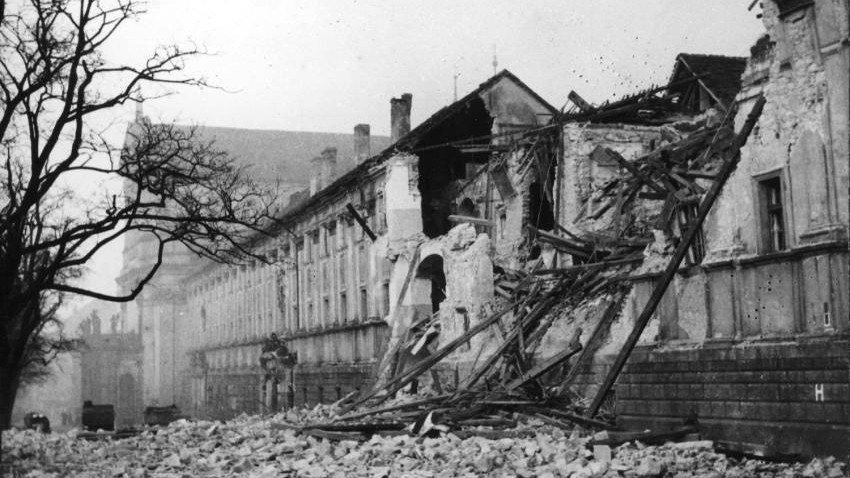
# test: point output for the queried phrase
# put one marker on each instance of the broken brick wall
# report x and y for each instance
(753, 341)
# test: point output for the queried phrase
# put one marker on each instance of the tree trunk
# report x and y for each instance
(9, 381)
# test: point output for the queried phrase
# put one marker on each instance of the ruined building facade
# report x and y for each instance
(335, 284)
(160, 314)
(750, 338)
(753, 337)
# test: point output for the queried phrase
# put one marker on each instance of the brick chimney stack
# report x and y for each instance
(328, 166)
(315, 175)
(362, 145)
(400, 116)
(322, 170)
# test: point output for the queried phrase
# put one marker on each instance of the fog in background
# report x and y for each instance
(325, 66)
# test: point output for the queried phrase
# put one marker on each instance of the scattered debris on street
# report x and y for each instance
(288, 445)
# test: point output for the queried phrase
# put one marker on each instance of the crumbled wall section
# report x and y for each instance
(469, 286)
(583, 176)
(753, 340)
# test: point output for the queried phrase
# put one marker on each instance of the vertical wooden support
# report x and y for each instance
(664, 281)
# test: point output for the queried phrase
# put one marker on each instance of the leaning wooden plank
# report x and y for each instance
(402, 406)
(591, 266)
(357, 217)
(539, 309)
(399, 382)
(555, 239)
(345, 399)
(472, 220)
(542, 368)
(596, 336)
(575, 418)
(730, 163)
(634, 170)
(580, 102)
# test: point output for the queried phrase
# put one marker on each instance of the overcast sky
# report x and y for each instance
(328, 65)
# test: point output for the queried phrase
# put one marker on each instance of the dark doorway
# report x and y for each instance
(431, 268)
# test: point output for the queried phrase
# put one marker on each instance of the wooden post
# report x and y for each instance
(361, 221)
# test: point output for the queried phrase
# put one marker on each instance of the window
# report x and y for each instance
(326, 305)
(343, 307)
(364, 304)
(385, 298)
(772, 214)
(686, 215)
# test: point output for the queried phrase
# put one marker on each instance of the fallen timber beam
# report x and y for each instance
(357, 217)
(642, 320)
(648, 437)
(596, 336)
(591, 266)
(537, 312)
(542, 368)
(403, 406)
(575, 418)
(580, 249)
(399, 382)
(635, 170)
(472, 220)
(580, 102)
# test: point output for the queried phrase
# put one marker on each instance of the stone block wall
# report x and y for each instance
(789, 397)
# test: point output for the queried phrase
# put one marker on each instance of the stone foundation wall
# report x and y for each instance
(769, 397)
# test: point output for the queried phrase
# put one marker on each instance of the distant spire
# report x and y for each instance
(495, 61)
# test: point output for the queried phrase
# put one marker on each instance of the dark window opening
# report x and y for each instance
(467, 208)
(443, 167)
(326, 303)
(540, 213)
(385, 298)
(364, 304)
(431, 268)
(772, 214)
(343, 307)
(687, 214)
(464, 317)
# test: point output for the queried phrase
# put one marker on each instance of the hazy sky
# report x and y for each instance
(327, 65)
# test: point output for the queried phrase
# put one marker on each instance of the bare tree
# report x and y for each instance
(178, 190)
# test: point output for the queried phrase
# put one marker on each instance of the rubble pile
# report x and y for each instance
(273, 446)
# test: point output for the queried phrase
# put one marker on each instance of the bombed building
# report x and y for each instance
(345, 254)
(675, 256)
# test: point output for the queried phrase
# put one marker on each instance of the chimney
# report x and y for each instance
(328, 166)
(322, 170)
(362, 148)
(315, 175)
(400, 116)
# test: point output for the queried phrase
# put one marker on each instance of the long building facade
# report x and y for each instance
(751, 337)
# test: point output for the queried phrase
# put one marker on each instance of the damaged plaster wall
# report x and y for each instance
(584, 176)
